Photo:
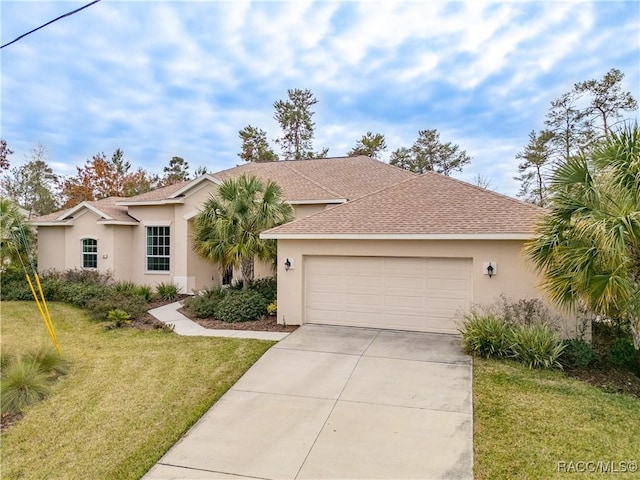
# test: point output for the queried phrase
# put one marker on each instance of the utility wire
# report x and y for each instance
(49, 23)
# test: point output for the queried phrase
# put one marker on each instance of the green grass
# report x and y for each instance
(129, 394)
(526, 421)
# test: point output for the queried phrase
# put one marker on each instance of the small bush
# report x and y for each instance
(23, 384)
(118, 318)
(48, 360)
(80, 294)
(577, 354)
(267, 287)
(124, 286)
(241, 306)
(526, 311)
(145, 292)
(167, 291)
(13, 284)
(272, 308)
(623, 354)
(131, 303)
(537, 346)
(486, 336)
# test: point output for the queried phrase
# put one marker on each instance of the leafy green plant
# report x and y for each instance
(145, 292)
(267, 287)
(23, 384)
(622, 353)
(537, 346)
(577, 354)
(272, 308)
(124, 286)
(167, 291)
(119, 318)
(486, 335)
(241, 306)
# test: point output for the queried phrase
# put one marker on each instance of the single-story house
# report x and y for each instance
(371, 245)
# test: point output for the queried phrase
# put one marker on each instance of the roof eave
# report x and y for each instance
(397, 236)
(317, 202)
(172, 201)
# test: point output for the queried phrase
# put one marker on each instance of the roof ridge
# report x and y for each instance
(312, 180)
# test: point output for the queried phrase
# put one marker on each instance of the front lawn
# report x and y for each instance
(532, 424)
(127, 398)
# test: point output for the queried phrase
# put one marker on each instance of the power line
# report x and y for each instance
(49, 23)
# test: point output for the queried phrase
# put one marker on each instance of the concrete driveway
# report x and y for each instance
(338, 403)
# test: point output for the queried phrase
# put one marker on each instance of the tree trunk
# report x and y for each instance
(246, 265)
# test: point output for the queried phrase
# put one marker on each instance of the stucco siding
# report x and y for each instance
(514, 277)
(51, 248)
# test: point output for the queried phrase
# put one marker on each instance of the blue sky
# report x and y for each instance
(178, 78)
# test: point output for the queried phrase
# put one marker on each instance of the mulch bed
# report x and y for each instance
(266, 324)
(608, 378)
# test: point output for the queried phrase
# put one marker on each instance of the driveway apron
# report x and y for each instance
(338, 403)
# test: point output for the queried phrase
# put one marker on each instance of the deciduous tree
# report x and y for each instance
(32, 186)
(429, 154)
(5, 151)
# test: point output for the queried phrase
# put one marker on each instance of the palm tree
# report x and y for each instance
(588, 245)
(227, 230)
(16, 236)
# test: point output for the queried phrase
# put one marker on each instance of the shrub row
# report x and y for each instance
(535, 344)
(235, 304)
(88, 289)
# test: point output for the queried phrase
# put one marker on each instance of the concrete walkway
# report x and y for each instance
(184, 326)
(338, 403)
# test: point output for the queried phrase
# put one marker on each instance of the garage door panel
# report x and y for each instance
(422, 294)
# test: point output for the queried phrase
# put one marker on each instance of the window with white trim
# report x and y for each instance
(158, 249)
(89, 253)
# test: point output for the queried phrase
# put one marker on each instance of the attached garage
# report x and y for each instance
(421, 294)
(413, 256)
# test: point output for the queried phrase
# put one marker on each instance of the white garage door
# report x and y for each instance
(422, 294)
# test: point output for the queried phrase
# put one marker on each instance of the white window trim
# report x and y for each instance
(148, 225)
(83, 253)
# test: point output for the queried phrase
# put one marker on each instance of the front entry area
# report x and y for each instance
(404, 293)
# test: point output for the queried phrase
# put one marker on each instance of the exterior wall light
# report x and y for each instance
(490, 268)
(287, 264)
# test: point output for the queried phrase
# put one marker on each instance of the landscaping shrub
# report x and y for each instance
(486, 336)
(131, 303)
(272, 308)
(241, 306)
(202, 305)
(267, 287)
(526, 311)
(119, 318)
(537, 346)
(80, 294)
(145, 292)
(167, 291)
(577, 354)
(13, 285)
(48, 360)
(23, 383)
(124, 286)
(623, 354)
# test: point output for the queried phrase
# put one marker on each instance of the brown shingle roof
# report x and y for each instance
(423, 205)
(107, 206)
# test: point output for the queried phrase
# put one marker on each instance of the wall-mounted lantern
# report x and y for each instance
(288, 264)
(490, 268)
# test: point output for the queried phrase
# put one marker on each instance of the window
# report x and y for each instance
(158, 250)
(89, 253)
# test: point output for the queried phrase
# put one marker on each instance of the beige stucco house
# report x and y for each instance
(372, 245)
